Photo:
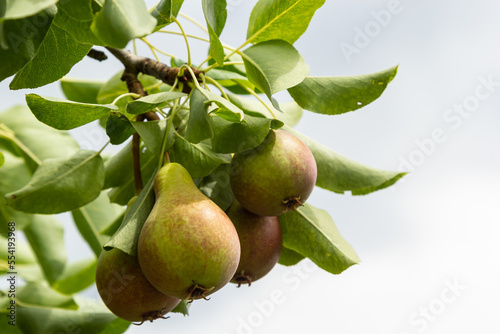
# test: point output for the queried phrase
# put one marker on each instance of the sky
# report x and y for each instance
(429, 245)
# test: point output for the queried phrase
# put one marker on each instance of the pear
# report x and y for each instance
(126, 291)
(188, 247)
(275, 177)
(260, 240)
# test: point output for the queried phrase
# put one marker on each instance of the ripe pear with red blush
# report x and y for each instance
(260, 239)
(125, 290)
(188, 247)
(275, 177)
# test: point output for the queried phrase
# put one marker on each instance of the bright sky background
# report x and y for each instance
(430, 245)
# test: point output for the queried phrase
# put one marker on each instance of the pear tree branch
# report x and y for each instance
(137, 64)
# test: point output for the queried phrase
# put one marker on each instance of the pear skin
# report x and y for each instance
(188, 247)
(126, 291)
(260, 240)
(275, 177)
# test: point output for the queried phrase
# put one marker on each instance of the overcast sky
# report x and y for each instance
(430, 244)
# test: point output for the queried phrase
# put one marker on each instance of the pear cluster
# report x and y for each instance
(189, 248)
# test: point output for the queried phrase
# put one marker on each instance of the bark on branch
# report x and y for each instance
(136, 64)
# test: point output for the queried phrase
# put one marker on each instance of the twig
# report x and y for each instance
(97, 55)
(137, 64)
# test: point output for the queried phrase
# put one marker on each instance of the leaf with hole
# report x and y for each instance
(338, 95)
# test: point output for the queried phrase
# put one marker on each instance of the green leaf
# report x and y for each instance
(236, 137)
(17, 48)
(76, 17)
(81, 90)
(152, 133)
(127, 235)
(182, 307)
(198, 126)
(274, 66)
(289, 257)
(37, 294)
(115, 87)
(215, 15)
(225, 109)
(340, 174)
(114, 226)
(216, 186)
(120, 21)
(290, 115)
(311, 232)
(60, 185)
(63, 114)
(198, 159)
(22, 133)
(13, 175)
(150, 102)
(90, 318)
(55, 57)
(45, 235)
(338, 95)
(225, 77)
(117, 326)
(122, 194)
(118, 128)
(2, 159)
(166, 11)
(239, 69)
(76, 277)
(281, 19)
(16, 9)
(24, 254)
(95, 217)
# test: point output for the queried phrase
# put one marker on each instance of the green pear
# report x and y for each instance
(126, 291)
(275, 177)
(188, 247)
(260, 240)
